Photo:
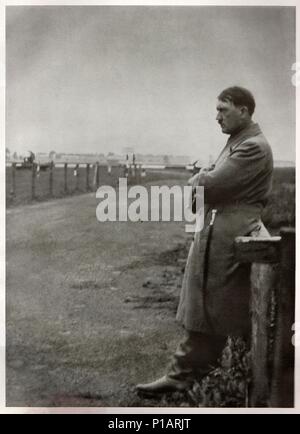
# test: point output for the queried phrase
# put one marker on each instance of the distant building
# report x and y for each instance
(163, 160)
(178, 161)
(52, 155)
(112, 159)
(115, 159)
(282, 163)
(42, 157)
(80, 158)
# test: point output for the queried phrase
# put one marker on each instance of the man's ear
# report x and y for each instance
(244, 110)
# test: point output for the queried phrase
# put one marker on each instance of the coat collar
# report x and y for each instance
(252, 130)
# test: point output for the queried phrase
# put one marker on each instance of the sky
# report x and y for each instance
(100, 78)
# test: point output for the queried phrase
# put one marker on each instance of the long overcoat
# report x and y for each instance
(215, 292)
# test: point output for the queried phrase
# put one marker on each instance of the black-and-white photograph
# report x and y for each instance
(150, 206)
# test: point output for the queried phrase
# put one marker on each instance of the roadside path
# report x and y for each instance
(90, 306)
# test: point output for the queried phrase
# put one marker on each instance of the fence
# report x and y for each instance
(58, 180)
(272, 299)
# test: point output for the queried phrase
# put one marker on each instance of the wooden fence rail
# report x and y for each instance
(88, 182)
(272, 299)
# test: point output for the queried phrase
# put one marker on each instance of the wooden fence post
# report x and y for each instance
(282, 394)
(51, 178)
(77, 177)
(263, 253)
(66, 178)
(13, 179)
(33, 182)
(263, 281)
(87, 177)
(140, 174)
(97, 175)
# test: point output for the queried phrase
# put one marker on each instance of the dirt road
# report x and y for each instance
(90, 306)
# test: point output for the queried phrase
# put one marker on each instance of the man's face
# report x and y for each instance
(229, 116)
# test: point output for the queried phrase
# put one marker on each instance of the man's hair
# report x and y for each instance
(239, 96)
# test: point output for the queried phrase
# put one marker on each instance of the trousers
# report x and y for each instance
(196, 355)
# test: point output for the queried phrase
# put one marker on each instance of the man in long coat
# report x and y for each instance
(215, 294)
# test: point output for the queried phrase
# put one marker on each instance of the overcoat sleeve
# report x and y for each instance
(239, 169)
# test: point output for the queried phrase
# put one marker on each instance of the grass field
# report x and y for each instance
(90, 307)
(23, 180)
(280, 210)
(23, 193)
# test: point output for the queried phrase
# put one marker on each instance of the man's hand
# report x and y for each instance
(194, 180)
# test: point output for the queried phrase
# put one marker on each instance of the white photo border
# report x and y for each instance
(136, 410)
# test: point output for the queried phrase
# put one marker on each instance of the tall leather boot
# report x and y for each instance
(195, 356)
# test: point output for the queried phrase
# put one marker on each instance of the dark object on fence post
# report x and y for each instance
(51, 178)
(88, 177)
(77, 177)
(66, 178)
(282, 394)
(33, 170)
(13, 179)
